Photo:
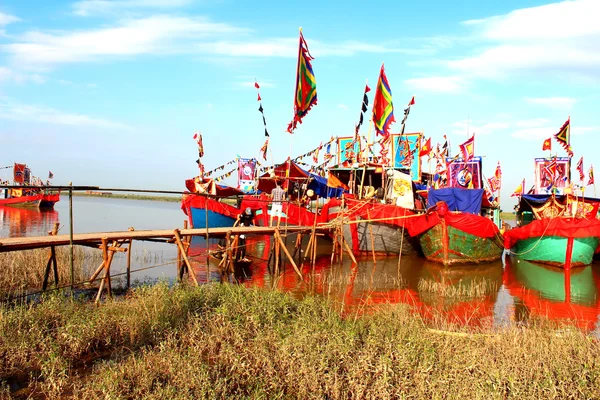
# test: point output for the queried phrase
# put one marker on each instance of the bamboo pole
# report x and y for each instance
(51, 261)
(372, 239)
(287, 253)
(129, 260)
(71, 235)
(105, 261)
(207, 240)
(184, 255)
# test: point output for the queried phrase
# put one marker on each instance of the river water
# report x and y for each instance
(493, 294)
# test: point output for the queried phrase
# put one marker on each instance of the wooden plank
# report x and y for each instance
(33, 242)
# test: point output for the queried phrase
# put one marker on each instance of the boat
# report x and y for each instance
(560, 230)
(553, 293)
(452, 231)
(26, 194)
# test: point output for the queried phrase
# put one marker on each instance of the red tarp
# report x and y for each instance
(220, 190)
(266, 183)
(468, 223)
(563, 227)
(387, 214)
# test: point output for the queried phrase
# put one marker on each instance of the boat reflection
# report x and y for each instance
(16, 221)
(554, 293)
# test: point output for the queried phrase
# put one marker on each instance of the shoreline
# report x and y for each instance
(172, 199)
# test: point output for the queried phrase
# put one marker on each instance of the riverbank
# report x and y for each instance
(225, 341)
(126, 196)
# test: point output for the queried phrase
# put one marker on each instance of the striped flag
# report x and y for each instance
(306, 85)
(383, 108)
(591, 175)
(468, 149)
(580, 169)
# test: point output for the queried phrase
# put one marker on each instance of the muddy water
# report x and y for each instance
(491, 294)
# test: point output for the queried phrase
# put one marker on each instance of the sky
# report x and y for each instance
(110, 93)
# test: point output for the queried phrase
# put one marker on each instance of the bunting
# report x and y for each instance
(591, 175)
(220, 167)
(580, 169)
(406, 112)
(564, 137)
(383, 108)
(306, 85)
(260, 108)
(468, 149)
(547, 144)
(365, 104)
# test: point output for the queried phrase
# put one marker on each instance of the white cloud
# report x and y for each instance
(540, 128)
(86, 8)
(534, 133)
(24, 112)
(558, 103)
(465, 127)
(6, 19)
(342, 106)
(532, 123)
(443, 84)
(7, 74)
(558, 37)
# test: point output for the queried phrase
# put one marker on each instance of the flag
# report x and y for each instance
(564, 136)
(198, 139)
(334, 182)
(328, 154)
(363, 109)
(426, 148)
(406, 112)
(547, 144)
(383, 109)
(494, 183)
(519, 190)
(498, 172)
(591, 175)
(260, 108)
(580, 169)
(306, 85)
(316, 153)
(263, 149)
(468, 149)
(19, 173)
(50, 175)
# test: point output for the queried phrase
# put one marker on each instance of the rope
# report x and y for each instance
(534, 246)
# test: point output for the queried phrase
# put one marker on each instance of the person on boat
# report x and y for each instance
(244, 219)
(277, 197)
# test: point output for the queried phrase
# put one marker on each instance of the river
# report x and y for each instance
(493, 294)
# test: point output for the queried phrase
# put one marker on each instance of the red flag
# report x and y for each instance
(195, 136)
(426, 148)
(412, 101)
(256, 85)
(259, 99)
(468, 149)
(367, 89)
(547, 144)
(498, 173)
(19, 173)
(50, 175)
(580, 169)
(263, 149)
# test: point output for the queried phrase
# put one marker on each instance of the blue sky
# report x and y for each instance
(109, 93)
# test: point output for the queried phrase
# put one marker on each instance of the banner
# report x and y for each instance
(401, 190)
(551, 175)
(246, 174)
(466, 175)
(19, 173)
(404, 153)
(347, 152)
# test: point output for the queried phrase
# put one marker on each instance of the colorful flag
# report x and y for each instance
(50, 175)
(334, 182)
(519, 190)
(363, 109)
(406, 112)
(426, 148)
(19, 173)
(383, 108)
(306, 85)
(498, 172)
(547, 144)
(591, 175)
(198, 139)
(494, 183)
(564, 136)
(316, 153)
(263, 149)
(468, 149)
(580, 169)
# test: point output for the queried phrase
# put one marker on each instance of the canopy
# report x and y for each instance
(563, 227)
(465, 200)
(209, 186)
(266, 182)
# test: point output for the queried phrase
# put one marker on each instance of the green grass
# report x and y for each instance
(508, 216)
(223, 341)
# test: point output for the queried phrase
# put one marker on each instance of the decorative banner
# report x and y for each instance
(580, 169)
(401, 190)
(19, 173)
(383, 108)
(404, 149)
(306, 85)
(27, 176)
(564, 137)
(551, 175)
(466, 175)
(246, 174)
(347, 153)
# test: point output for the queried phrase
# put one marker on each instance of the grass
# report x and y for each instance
(444, 288)
(508, 216)
(223, 341)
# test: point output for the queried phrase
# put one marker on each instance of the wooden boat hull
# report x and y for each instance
(554, 250)
(448, 245)
(381, 238)
(38, 200)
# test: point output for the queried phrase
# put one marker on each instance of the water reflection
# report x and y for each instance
(19, 221)
(553, 293)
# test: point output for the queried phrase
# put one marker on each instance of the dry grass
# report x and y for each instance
(222, 341)
(445, 288)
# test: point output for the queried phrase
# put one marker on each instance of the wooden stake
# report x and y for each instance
(104, 263)
(372, 239)
(287, 253)
(184, 255)
(129, 260)
(51, 261)
(349, 250)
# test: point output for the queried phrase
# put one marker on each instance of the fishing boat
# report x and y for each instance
(27, 194)
(453, 231)
(553, 293)
(560, 230)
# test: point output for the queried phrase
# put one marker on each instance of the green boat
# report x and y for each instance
(553, 250)
(449, 245)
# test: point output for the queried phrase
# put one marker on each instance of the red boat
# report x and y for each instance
(30, 191)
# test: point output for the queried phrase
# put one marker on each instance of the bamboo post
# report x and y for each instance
(402, 244)
(184, 255)
(229, 256)
(334, 247)
(349, 250)
(372, 239)
(71, 235)
(104, 263)
(129, 260)
(276, 257)
(314, 235)
(207, 242)
(51, 261)
(287, 253)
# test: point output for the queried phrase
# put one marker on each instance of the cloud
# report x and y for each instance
(469, 127)
(539, 129)
(24, 112)
(443, 84)
(558, 37)
(7, 74)
(558, 103)
(342, 106)
(6, 19)
(532, 123)
(85, 8)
